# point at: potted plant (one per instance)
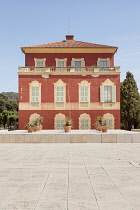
(30, 127)
(99, 123)
(68, 124)
(104, 127)
(38, 124)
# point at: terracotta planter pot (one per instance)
(104, 129)
(100, 128)
(67, 129)
(30, 129)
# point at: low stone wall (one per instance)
(71, 138)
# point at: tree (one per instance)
(7, 103)
(130, 107)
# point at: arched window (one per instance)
(84, 122)
(108, 91)
(59, 121)
(35, 92)
(109, 119)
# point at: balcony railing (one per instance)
(69, 70)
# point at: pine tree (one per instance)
(130, 107)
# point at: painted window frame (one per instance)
(84, 117)
(57, 117)
(82, 60)
(109, 116)
(35, 84)
(40, 59)
(84, 83)
(59, 68)
(60, 83)
(113, 92)
(99, 63)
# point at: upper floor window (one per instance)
(84, 91)
(35, 92)
(108, 91)
(60, 91)
(40, 62)
(103, 63)
(60, 64)
(60, 94)
(84, 94)
(78, 63)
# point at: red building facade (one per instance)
(69, 78)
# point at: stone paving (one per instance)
(70, 176)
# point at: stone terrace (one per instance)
(70, 176)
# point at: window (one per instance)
(59, 121)
(40, 62)
(103, 64)
(109, 122)
(84, 124)
(78, 63)
(107, 94)
(59, 124)
(84, 121)
(34, 94)
(60, 64)
(60, 94)
(108, 91)
(84, 94)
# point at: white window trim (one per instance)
(35, 83)
(84, 83)
(103, 59)
(59, 116)
(109, 116)
(59, 59)
(59, 83)
(107, 82)
(85, 116)
(40, 59)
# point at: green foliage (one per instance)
(11, 95)
(7, 103)
(8, 118)
(130, 106)
(68, 121)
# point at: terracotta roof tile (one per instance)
(69, 44)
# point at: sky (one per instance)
(31, 22)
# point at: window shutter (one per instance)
(98, 62)
(73, 63)
(114, 93)
(101, 93)
(82, 62)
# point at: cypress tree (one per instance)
(130, 107)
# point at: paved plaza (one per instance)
(70, 176)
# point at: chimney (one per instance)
(69, 38)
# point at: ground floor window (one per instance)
(59, 124)
(84, 124)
